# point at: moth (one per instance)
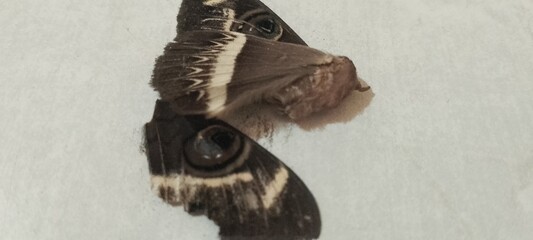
(232, 53)
(228, 54)
(212, 169)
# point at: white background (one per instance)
(443, 151)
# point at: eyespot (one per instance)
(267, 26)
(213, 150)
(260, 24)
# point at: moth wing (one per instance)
(230, 15)
(288, 209)
(207, 72)
(260, 199)
(163, 137)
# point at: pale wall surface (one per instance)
(444, 151)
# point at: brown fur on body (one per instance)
(324, 89)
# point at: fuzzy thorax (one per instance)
(324, 89)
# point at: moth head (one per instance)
(250, 17)
(215, 151)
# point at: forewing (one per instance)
(207, 72)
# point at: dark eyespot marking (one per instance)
(260, 24)
(267, 25)
(215, 151)
(223, 139)
(212, 148)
